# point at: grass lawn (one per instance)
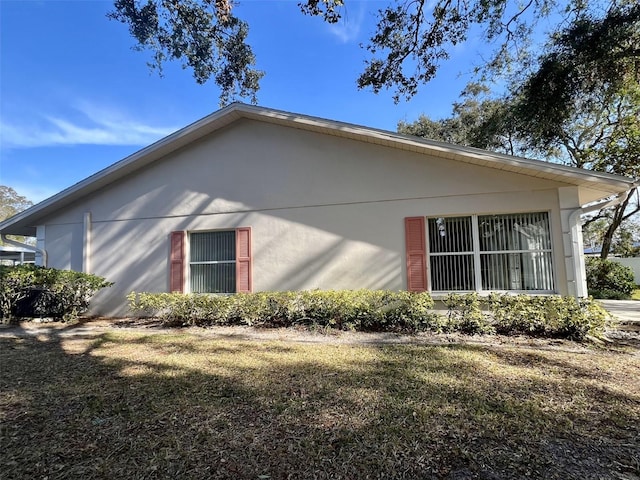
(636, 294)
(131, 405)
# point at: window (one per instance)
(218, 261)
(212, 262)
(491, 252)
(451, 255)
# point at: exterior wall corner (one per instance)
(570, 210)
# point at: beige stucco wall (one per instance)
(325, 212)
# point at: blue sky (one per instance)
(76, 98)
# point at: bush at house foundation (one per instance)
(365, 310)
(378, 310)
(547, 316)
(28, 291)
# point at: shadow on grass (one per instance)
(179, 406)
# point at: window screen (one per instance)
(491, 252)
(451, 254)
(212, 262)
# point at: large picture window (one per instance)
(491, 252)
(212, 262)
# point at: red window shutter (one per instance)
(414, 229)
(243, 260)
(176, 258)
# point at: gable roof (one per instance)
(594, 185)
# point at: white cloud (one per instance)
(92, 125)
(35, 193)
(349, 27)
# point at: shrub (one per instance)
(380, 310)
(465, 314)
(548, 316)
(414, 312)
(365, 310)
(31, 291)
(608, 279)
(15, 284)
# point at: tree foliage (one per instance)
(12, 203)
(478, 120)
(602, 133)
(625, 242)
(204, 34)
(412, 38)
(580, 106)
(592, 65)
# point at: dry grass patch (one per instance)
(135, 405)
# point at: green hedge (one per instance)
(377, 310)
(609, 279)
(367, 310)
(31, 291)
(548, 316)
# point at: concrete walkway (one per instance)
(623, 310)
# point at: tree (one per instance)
(582, 104)
(625, 241)
(477, 121)
(411, 40)
(204, 34)
(603, 135)
(590, 62)
(579, 106)
(625, 244)
(10, 204)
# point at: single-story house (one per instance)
(255, 199)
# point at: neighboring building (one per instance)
(596, 250)
(16, 255)
(254, 199)
(593, 251)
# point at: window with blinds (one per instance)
(212, 262)
(491, 252)
(515, 252)
(451, 254)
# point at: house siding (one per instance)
(324, 212)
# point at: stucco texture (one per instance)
(325, 212)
